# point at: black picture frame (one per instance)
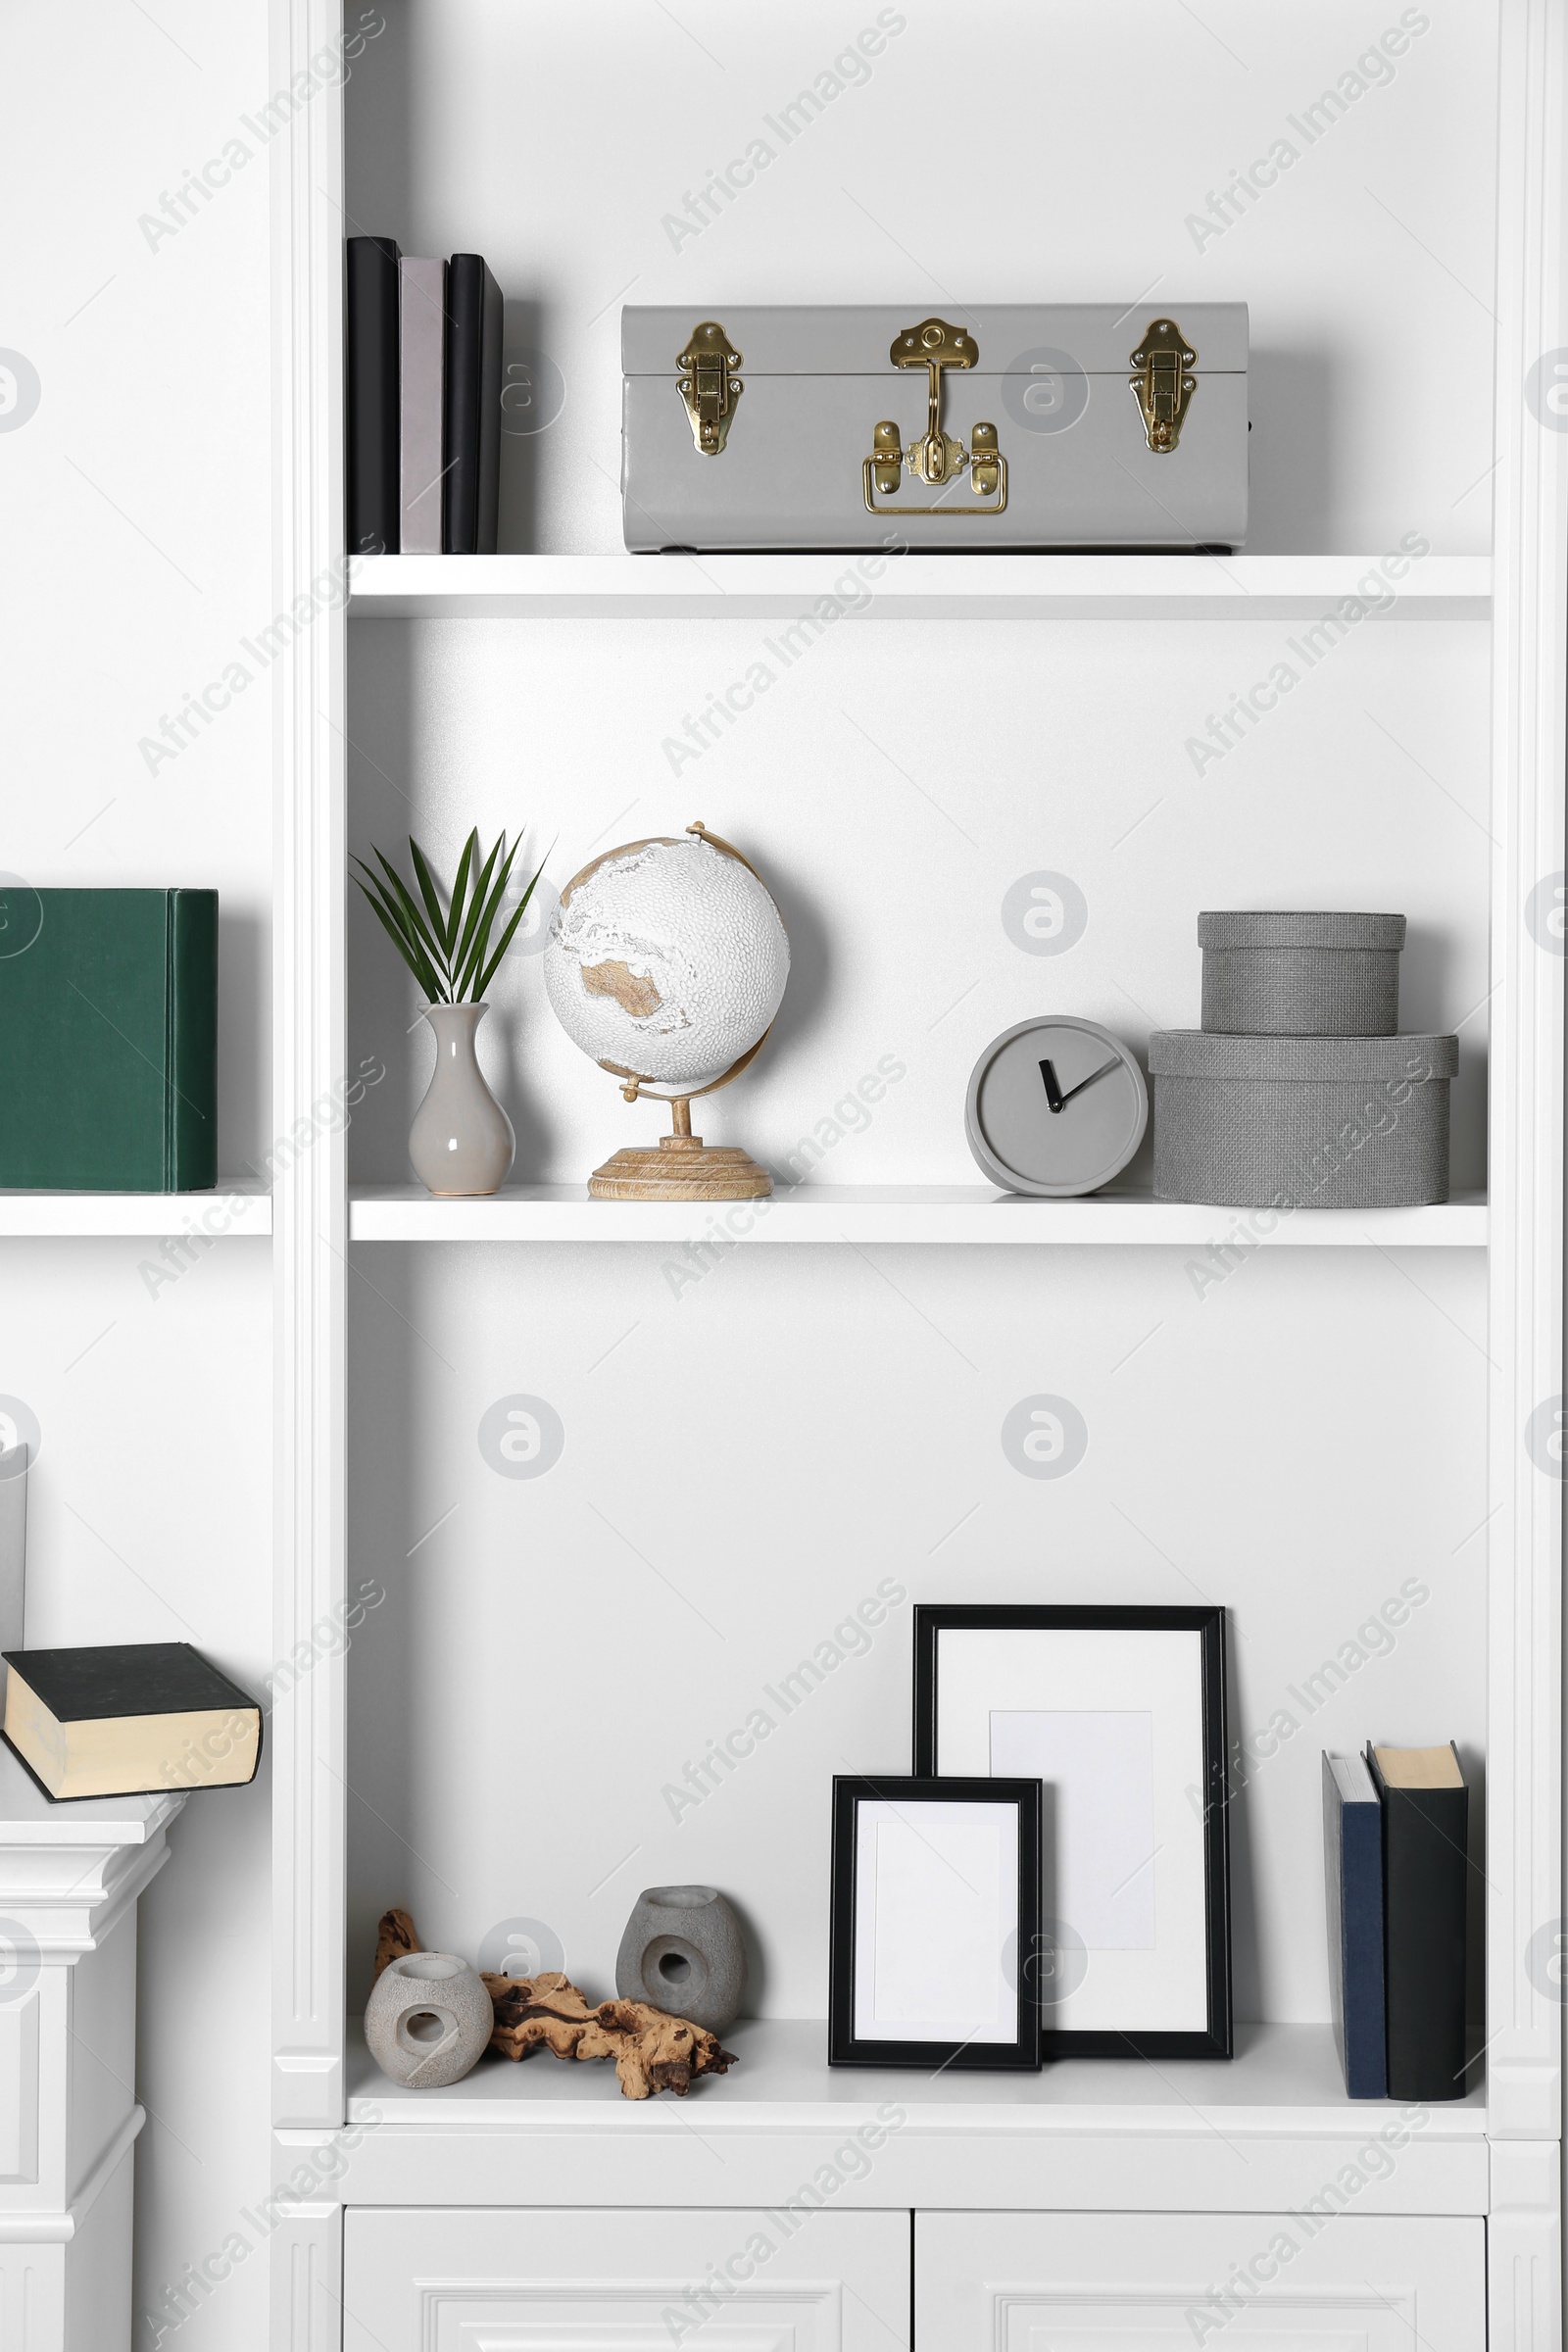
(931, 1619)
(848, 2048)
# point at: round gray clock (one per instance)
(1057, 1107)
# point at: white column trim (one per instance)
(310, 1212)
(1524, 1809)
(306, 2256)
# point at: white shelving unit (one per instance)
(1284, 1444)
(914, 586)
(902, 1215)
(1085, 2134)
(238, 1208)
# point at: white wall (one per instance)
(1034, 150)
(772, 1440)
(136, 524)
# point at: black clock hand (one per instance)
(1113, 1065)
(1054, 1094)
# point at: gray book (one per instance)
(421, 338)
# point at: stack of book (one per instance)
(425, 376)
(1396, 1827)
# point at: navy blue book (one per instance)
(1353, 1852)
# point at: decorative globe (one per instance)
(667, 960)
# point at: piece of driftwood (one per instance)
(652, 2051)
(395, 1934)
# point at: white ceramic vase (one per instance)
(461, 1142)
(428, 2019)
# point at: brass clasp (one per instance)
(1162, 387)
(709, 385)
(936, 457)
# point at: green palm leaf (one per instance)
(412, 955)
(448, 948)
(412, 912)
(481, 937)
(480, 888)
(492, 965)
(466, 866)
(431, 896)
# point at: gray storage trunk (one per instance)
(1301, 975)
(1024, 426)
(1301, 1122)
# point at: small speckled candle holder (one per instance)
(428, 2019)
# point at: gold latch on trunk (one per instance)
(936, 457)
(709, 385)
(1162, 387)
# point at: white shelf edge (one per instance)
(976, 587)
(1284, 2079)
(238, 1206)
(903, 1215)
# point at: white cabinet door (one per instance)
(619, 2280)
(1167, 2282)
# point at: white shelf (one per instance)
(235, 1206)
(682, 587)
(903, 1214)
(1269, 2125)
(29, 1817)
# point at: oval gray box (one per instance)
(1303, 1122)
(1302, 974)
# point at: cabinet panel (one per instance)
(18, 2090)
(1254, 2283)
(504, 2281)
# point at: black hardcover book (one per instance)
(1353, 1850)
(471, 439)
(373, 396)
(1426, 1821)
(488, 527)
(128, 1720)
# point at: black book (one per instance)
(1426, 1821)
(1352, 1851)
(134, 1718)
(371, 358)
(471, 438)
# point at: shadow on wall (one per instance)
(1424, 990)
(244, 1036)
(1290, 397)
(1247, 1970)
(533, 394)
(384, 1679)
(378, 138)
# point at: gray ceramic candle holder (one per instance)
(428, 2019)
(683, 1952)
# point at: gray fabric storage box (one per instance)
(1301, 975)
(1083, 424)
(1301, 1122)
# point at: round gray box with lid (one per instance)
(1302, 974)
(1301, 1122)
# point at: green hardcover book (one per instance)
(108, 1040)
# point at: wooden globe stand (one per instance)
(680, 1166)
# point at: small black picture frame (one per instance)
(873, 1956)
(995, 1675)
